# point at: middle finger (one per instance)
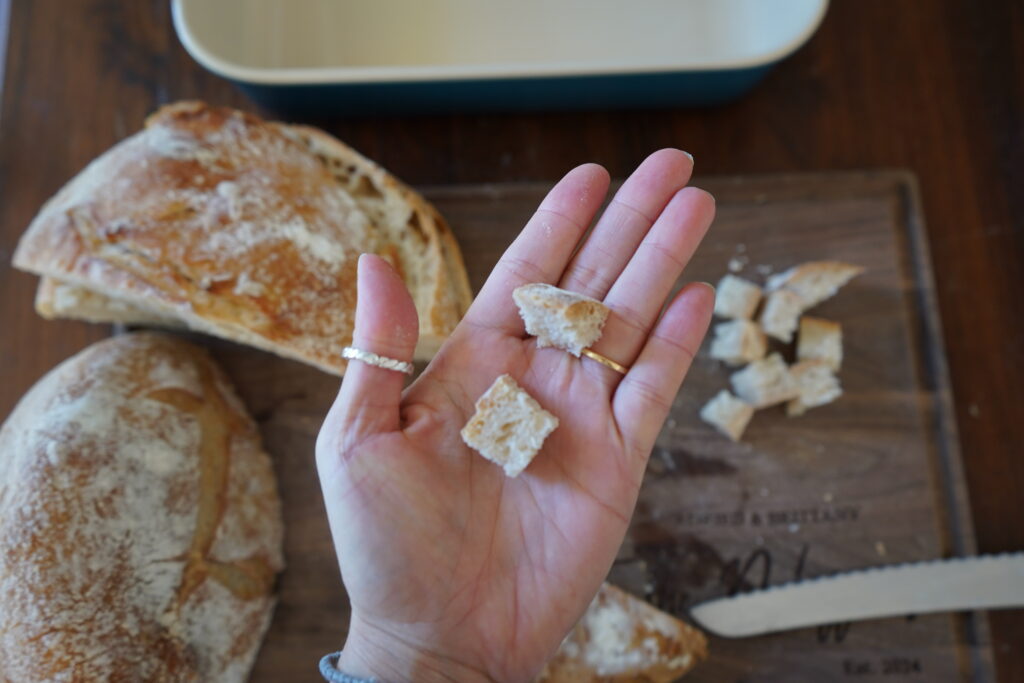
(622, 226)
(637, 297)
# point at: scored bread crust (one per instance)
(139, 518)
(242, 229)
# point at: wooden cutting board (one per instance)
(872, 479)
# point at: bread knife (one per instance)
(985, 582)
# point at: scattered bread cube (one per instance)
(727, 414)
(782, 309)
(738, 341)
(765, 382)
(509, 426)
(817, 385)
(560, 318)
(820, 339)
(736, 298)
(623, 638)
(814, 281)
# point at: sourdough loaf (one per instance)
(241, 228)
(140, 524)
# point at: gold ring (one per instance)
(607, 362)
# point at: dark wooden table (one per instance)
(936, 87)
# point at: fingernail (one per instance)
(709, 286)
(688, 154)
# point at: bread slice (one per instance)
(765, 382)
(736, 298)
(817, 386)
(244, 229)
(820, 339)
(421, 244)
(56, 299)
(727, 414)
(738, 342)
(622, 638)
(139, 519)
(509, 426)
(560, 318)
(814, 281)
(781, 313)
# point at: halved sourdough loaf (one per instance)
(244, 229)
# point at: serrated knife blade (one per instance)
(985, 582)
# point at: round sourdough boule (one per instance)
(140, 525)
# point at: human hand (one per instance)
(455, 571)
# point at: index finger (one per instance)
(542, 250)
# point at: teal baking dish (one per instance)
(354, 57)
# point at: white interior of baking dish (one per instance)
(325, 41)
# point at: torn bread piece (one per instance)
(738, 342)
(560, 318)
(817, 386)
(820, 339)
(736, 298)
(622, 638)
(727, 414)
(781, 314)
(509, 426)
(765, 382)
(814, 281)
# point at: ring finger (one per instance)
(628, 217)
(638, 295)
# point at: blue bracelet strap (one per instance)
(329, 670)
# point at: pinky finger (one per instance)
(645, 395)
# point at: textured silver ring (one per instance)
(352, 353)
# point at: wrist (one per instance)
(373, 652)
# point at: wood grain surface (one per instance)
(935, 87)
(872, 479)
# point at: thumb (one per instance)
(385, 324)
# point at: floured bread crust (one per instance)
(139, 519)
(242, 229)
(623, 639)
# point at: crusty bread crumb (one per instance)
(560, 318)
(622, 638)
(738, 341)
(820, 339)
(817, 386)
(509, 426)
(727, 414)
(814, 281)
(765, 382)
(782, 309)
(736, 298)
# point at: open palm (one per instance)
(454, 570)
